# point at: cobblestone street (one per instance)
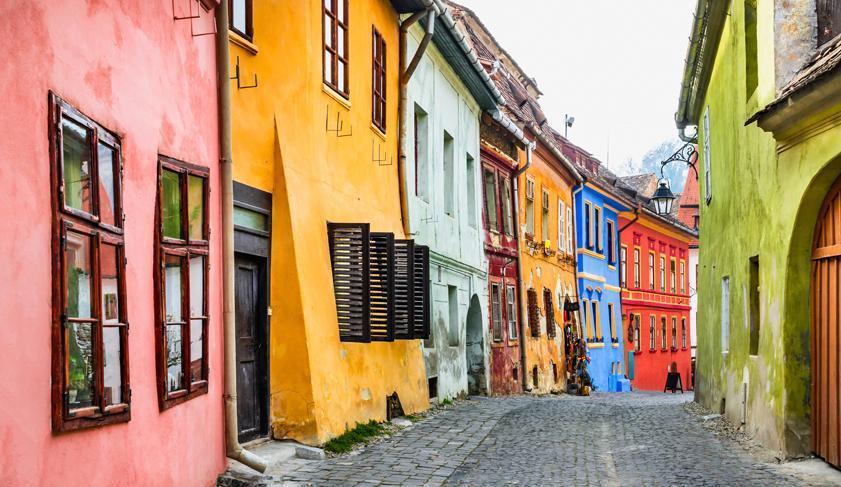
(630, 439)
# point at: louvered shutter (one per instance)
(550, 313)
(534, 313)
(349, 255)
(403, 287)
(420, 292)
(382, 286)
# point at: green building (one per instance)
(762, 85)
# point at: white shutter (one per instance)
(561, 239)
(570, 246)
(707, 157)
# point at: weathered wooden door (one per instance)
(825, 326)
(251, 347)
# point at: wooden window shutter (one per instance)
(403, 289)
(349, 255)
(421, 312)
(550, 313)
(534, 313)
(381, 262)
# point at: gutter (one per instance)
(403, 101)
(557, 153)
(511, 127)
(233, 449)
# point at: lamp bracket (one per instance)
(687, 154)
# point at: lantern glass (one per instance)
(663, 198)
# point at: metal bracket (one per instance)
(380, 158)
(339, 125)
(428, 218)
(237, 77)
(191, 17)
(687, 154)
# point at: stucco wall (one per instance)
(133, 69)
(763, 204)
(320, 386)
(454, 237)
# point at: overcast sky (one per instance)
(615, 65)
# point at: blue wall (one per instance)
(598, 281)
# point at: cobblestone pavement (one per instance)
(629, 439)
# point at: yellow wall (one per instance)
(320, 386)
(541, 271)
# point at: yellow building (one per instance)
(314, 143)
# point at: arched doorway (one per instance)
(475, 349)
(825, 329)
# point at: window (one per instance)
(637, 268)
(652, 332)
(672, 276)
(623, 266)
(588, 223)
(570, 247)
(637, 337)
(470, 174)
(550, 313)
(725, 314)
(683, 332)
(544, 216)
(708, 190)
(449, 175)
(561, 227)
(611, 250)
(695, 221)
(240, 20)
(489, 178)
(610, 321)
(511, 297)
(682, 277)
(378, 86)
(453, 333)
(585, 318)
(422, 186)
(753, 299)
(507, 214)
(751, 68)
(597, 221)
(496, 311)
(651, 270)
(90, 355)
(182, 281)
(829, 20)
(336, 46)
(597, 325)
(530, 207)
(662, 273)
(674, 332)
(533, 313)
(663, 334)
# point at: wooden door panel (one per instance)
(248, 400)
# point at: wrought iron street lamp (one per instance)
(663, 197)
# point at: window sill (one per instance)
(165, 402)
(614, 345)
(595, 345)
(378, 131)
(335, 95)
(120, 415)
(637, 352)
(242, 42)
(652, 350)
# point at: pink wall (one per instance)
(128, 65)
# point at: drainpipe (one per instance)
(636, 217)
(232, 447)
(403, 109)
(516, 178)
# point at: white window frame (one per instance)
(561, 227)
(707, 157)
(725, 314)
(570, 246)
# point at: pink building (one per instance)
(111, 350)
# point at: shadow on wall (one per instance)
(475, 349)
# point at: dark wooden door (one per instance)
(825, 324)
(251, 347)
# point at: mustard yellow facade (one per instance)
(548, 267)
(321, 158)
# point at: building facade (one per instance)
(654, 277)
(688, 213)
(315, 152)
(762, 86)
(113, 224)
(446, 96)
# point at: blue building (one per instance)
(597, 206)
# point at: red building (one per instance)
(654, 276)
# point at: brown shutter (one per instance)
(381, 260)
(349, 255)
(829, 20)
(534, 313)
(550, 313)
(420, 292)
(403, 289)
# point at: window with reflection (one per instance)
(335, 42)
(90, 374)
(240, 18)
(182, 281)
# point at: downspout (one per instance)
(406, 72)
(636, 217)
(516, 179)
(233, 449)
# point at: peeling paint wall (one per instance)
(445, 215)
(765, 200)
(795, 31)
(320, 386)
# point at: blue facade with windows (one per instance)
(599, 294)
